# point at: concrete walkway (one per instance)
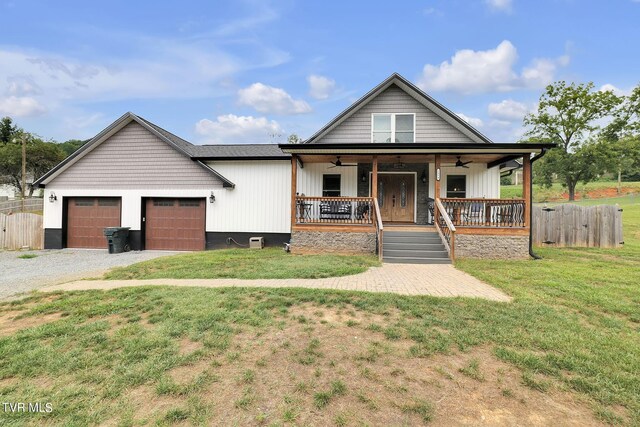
(406, 279)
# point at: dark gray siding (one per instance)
(429, 126)
(134, 158)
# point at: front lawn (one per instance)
(566, 351)
(269, 263)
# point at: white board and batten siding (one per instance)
(429, 126)
(310, 179)
(260, 202)
(481, 182)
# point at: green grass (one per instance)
(542, 194)
(268, 263)
(27, 256)
(574, 324)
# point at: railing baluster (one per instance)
(485, 212)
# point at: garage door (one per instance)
(86, 219)
(175, 224)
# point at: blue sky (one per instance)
(254, 71)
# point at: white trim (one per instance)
(415, 188)
(393, 124)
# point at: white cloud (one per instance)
(508, 110)
(20, 106)
(232, 129)
(268, 99)
(473, 121)
(500, 5)
(490, 70)
(608, 87)
(320, 87)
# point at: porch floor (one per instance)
(405, 279)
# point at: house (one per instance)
(396, 173)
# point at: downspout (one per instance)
(533, 159)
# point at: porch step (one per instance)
(408, 253)
(405, 260)
(414, 247)
(394, 237)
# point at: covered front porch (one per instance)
(356, 196)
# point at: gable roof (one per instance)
(413, 91)
(179, 144)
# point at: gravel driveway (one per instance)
(51, 267)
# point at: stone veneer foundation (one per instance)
(492, 246)
(333, 242)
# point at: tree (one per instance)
(567, 116)
(7, 130)
(70, 146)
(620, 140)
(294, 139)
(41, 156)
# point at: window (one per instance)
(331, 185)
(108, 202)
(85, 202)
(393, 128)
(186, 203)
(162, 202)
(457, 186)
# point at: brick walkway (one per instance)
(406, 279)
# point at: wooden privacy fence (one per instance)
(577, 226)
(21, 230)
(30, 204)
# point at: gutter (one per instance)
(531, 253)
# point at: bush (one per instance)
(506, 180)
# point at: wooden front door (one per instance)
(175, 224)
(87, 218)
(396, 197)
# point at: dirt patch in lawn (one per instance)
(187, 346)
(322, 372)
(12, 322)
(598, 193)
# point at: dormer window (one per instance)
(393, 127)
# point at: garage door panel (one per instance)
(86, 219)
(175, 224)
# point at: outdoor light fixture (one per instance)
(423, 177)
(53, 197)
(438, 174)
(212, 198)
(363, 177)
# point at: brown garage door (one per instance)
(86, 219)
(175, 224)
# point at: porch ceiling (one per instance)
(403, 158)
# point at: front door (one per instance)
(396, 197)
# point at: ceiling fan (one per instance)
(338, 163)
(460, 164)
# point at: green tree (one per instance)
(70, 146)
(620, 140)
(567, 115)
(41, 156)
(294, 139)
(7, 130)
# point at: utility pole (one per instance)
(24, 167)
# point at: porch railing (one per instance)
(334, 210)
(445, 228)
(379, 227)
(485, 212)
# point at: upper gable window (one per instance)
(399, 128)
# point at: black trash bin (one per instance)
(117, 239)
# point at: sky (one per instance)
(249, 71)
